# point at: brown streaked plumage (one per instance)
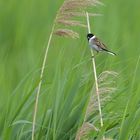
(97, 45)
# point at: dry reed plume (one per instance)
(67, 14)
(107, 85)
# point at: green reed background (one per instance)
(24, 30)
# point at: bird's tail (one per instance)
(110, 52)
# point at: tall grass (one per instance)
(65, 13)
(67, 83)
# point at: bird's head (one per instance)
(90, 35)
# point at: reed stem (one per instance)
(40, 83)
(95, 76)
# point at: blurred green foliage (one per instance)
(24, 30)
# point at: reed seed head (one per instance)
(68, 13)
(107, 85)
(66, 33)
(85, 130)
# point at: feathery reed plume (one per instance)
(68, 10)
(85, 130)
(107, 85)
(66, 33)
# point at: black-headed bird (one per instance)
(97, 45)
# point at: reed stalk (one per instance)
(40, 83)
(95, 76)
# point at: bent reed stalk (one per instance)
(95, 76)
(40, 83)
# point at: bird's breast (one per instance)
(94, 46)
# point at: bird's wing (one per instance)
(99, 44)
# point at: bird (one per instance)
(97, 45)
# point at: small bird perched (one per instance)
(97, 45)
